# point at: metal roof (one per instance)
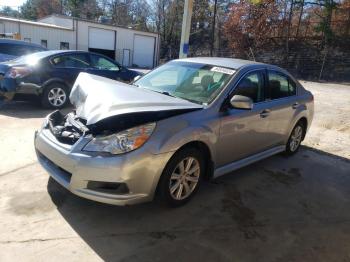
(96, 22)
(10, 19)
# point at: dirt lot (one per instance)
(280, 209)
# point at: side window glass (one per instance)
(280, 86)
(69, 61)
(251, 86)
(102, 63)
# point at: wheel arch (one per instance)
(52, 81)
(304, 121)
(204, 149)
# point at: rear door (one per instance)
(283, 102)
(68, 66)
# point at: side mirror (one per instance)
(241, 102)
(137, 77)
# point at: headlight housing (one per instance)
(122, 142)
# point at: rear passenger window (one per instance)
(280, 86)
(251, 86)
(71, 60)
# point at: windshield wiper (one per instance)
(167, 93)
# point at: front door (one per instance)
(244, 132)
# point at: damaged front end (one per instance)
(105, 107)
(66, 128)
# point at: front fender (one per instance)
(183, 133)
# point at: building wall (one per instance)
(37, 33)
(125, 38)
(76, 34)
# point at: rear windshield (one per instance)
(30, 59)
(18, 50)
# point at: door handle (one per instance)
(295, 105)
(265, 113)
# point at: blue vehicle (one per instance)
(11, 49)
(50, 75)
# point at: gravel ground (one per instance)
(279, 209)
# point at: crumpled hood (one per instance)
(97, 98)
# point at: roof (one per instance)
(220, 61)
(18, 42)
(95, 22)
(11, 19)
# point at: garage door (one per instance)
(143, 51)
(102, 41)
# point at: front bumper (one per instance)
(74, 169)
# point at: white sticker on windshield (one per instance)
(223, 70)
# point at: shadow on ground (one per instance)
(279, 209)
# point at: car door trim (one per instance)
(248, 160)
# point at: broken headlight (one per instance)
(122, 142)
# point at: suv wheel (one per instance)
(295, 139)
(55, 96)
(181, 177)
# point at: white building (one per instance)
(128, 46)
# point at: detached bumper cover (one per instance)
(74, 169)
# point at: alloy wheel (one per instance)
(184, 178)
(296, 138)
(57, 96)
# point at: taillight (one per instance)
(18, 72)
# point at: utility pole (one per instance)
(213, 29)
(186, 27)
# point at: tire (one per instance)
(55, 96)
(295, 138)
(173, 176)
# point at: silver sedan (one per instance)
(187, 120)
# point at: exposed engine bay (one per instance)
(69, 128)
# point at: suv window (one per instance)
(280, 86)
(71, 60)
(100, 62)
(252, 86)
(18, 50)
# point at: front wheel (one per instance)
(54, 96)
(295, 139)
(181, 177)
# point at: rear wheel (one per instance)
(181, 177)
(295, 138)
(55, 96)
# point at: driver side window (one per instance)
(252, 86)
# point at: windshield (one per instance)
(199, 83)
